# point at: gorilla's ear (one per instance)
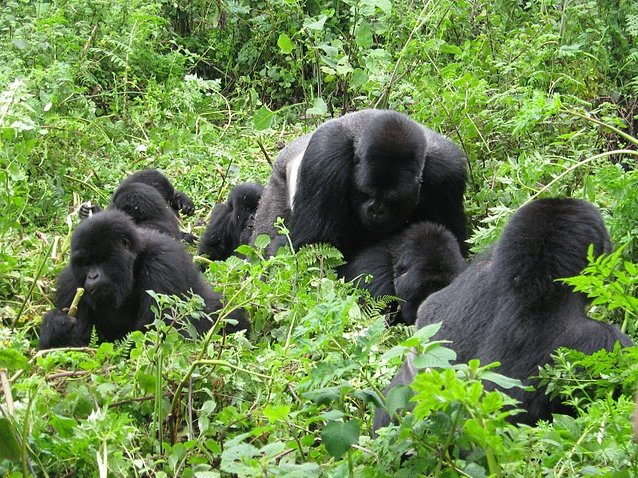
(321, 207)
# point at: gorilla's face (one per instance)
(387, 186)
(103, 254)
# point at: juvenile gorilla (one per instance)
(116, 262)
(231, 223)
(147, 208)
(146, 196)
(414, 263)
(508, 308)
(359, 178)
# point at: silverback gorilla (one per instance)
(231, 223)
(508, 307)
(117, 262)
(359, 178)
(411, 265)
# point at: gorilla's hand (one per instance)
(87, 209)
(181, 202)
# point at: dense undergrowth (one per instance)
(541, 95)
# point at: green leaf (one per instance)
(426, 333)
(363, 35)
(368, 395)
(318, 108)
(275, 414)
(359, 78)
(502, 380)
(285, 44)
(262, 241)
(263, 118)
(338, 437)
(437, 356)
(324, 396)
(452, 49)
(317, 24)
(12, 359)
(398, 398)
(10, 449)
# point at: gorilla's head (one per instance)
(243, 199)
(389, 157)
(545, 240)
(104, 249)
(140, 201)
(426, 257)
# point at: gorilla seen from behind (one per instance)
(412, 264)
(152, 201)
(117, 262)
(509, 308)
(361, 177)
(231, 223)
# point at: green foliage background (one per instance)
(542, 96)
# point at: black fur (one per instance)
(144, 196)
(146, 207)
(411, 265)
(116, 262)
(154, 178)
(231, 223)
(361, 178)
(508, 308)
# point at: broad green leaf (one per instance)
(502, 380)
(262, 241)
(437, 356)
(275, 414)
(332, 415)
(263, 118)
(363, 35)
(359, 78)
(318, 108)
(285, 44)
(368, 396)
(12, 359)
(397, 398)
(324, 396)
(452, 49)
(427, 332)
(10, 448)
(317, 24)
(338, 437)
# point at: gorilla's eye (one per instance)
(78, 261)
(357, 160)
(126, 242)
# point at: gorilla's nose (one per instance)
(93, 278)
(378, 211)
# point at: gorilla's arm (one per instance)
(375, 260)
(322, 212)
(58, 329)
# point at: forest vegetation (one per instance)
(541, 95)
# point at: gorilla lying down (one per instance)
(411, 265)
(360, 178)
(116, 262)
(231, 223)
(509, 308)
(152, 201)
